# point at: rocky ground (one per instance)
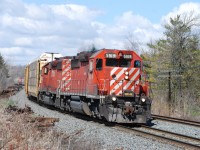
(74, 133)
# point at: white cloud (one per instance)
(186, 8)
(11, 51)
(23, 41)
(37, 12)
(74, 12)
(27, 30)
(115, 35)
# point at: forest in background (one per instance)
(173, 67)
(9, 74)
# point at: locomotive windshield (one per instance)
(118, 62)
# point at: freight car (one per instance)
(106, 84)
(32, 73)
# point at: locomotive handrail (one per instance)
(77, 87)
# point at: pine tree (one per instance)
(3, 74)
(3, 67)
(177, 54)
(1, 61)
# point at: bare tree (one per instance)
(131, 43)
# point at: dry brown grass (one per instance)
(184, 107)
(160, 105)
(18, 131)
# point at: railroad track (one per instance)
(176, 120)
(164, 136)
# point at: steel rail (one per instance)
(173, 134)
(177, 120)
(162, 138)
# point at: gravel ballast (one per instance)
(101, 136)
(177, 128)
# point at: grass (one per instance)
(18, 132)
(184, 107)
(160, 105)
(195, 111)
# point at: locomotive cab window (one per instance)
(118, 62)
(99, 64)
(112, 62)
(125, 63)
(137, 64)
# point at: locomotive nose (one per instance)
(122, 79)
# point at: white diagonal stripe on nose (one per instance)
(128, 84)
(136, 82)
(119, 85)
(111, 82)
(136, 74)
(113, 71)
(120, 73)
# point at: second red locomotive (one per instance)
(105, 84)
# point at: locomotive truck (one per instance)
(106, 84)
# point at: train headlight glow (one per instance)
(143, 100)
(114, 98)
(126, 77)
(126, 73)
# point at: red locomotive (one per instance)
(105, 84)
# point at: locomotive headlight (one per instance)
(114, 99)
(126, 73)
(143, 100)
(126, 77)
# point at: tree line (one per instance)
(173, 66)
(3, 73)
(9, 74)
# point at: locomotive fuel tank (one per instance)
(77, 105)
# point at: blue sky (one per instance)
(31, 27)
(151, 9)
